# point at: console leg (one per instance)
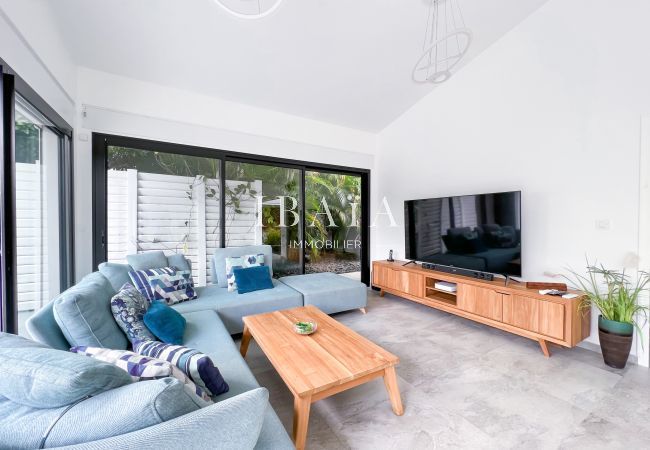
(363, 310)
(545, 350)
(382, 293)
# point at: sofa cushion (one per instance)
(166, 323)
(83, 313)
(220, 255)
(195, 364)
(147, 260)
(129, 307)
(232, 306)
(142, 368)
(43, 327)
(239, 262)
(252, 279)
(273, 435)
(111, 413)
(179, 261)
(34, 375)
(206, 332)
(330, 292)
(117, 274)
(165, 283)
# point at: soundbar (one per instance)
(459, 271)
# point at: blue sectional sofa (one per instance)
(211, 319)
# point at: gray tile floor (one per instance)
(465, 385)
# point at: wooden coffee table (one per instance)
(314, 367)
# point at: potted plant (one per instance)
(617, 298)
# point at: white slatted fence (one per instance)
(175, 214)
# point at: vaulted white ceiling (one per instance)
(346, 62)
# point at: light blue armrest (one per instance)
(232, 424)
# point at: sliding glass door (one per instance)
(38, 213)
(7, 314)
(158, 200)
(264, 206)
(333, 223)
(36, 192)
(180, 199)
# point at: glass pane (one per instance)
(263, 206)
(38, 268)
(163, 201)
(333, 223)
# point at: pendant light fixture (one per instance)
(249, 9)
(446, 41)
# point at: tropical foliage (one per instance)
(28, 137)
(342, 195)
(327, 195)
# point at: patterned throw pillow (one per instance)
(143, 368)
(196, 365)
(240, 262)
(167, 284)
(128, 307)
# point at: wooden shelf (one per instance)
(440, 296)
(440, 290)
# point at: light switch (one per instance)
(603, 224)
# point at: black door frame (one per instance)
(11, 85)
(9, 308)
(101, 142)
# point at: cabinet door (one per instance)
(551, 319)
(482, 301)
(521, 312)
(409, 282)
(378, 274)
(399, 280)
(383, 276)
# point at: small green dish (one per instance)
(305, 328)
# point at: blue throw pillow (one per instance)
(165, 323)
(253, 279)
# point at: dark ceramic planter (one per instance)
(615, 347)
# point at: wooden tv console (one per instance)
(511, 308)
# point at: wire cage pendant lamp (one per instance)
(249, 9)
(446, 41)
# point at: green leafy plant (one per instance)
(273, 237)
(614, 293)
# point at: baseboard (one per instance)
(632, 359)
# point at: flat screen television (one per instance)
(477, 232)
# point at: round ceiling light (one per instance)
(446, 41)
(249, 9)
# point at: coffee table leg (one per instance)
(245, 340)
(390, 380)
(301, 407)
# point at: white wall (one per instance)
(31, 45)
(554, 109)
(118, 105)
